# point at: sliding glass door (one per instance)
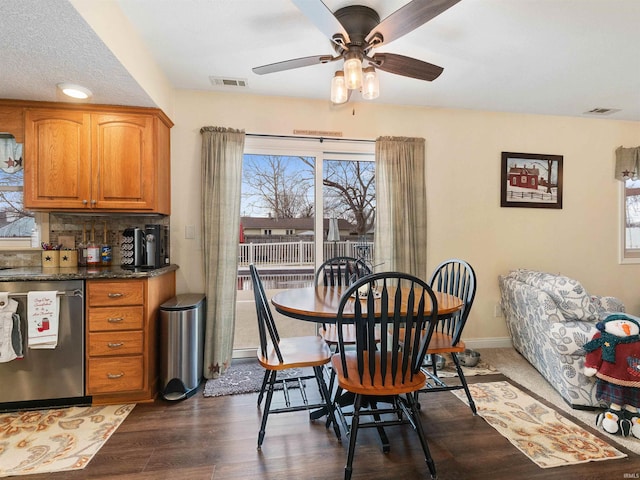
(292, 191)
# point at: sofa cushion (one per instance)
(570, 296)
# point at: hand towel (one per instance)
(42, 318)
(10, 335)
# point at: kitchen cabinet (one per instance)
(102, 160)
(122, 337)
(12, 120)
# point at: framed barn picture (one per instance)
(531, 180)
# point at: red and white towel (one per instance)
(42, 318)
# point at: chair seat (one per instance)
(441, 343)
(297, 352)
(354, 385)
(330, 334)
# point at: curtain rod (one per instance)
(300, 137)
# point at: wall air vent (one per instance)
(229, 82)
(602, 111)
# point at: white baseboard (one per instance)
(496, 342)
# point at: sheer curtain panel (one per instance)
(401, 205)
(222, 151)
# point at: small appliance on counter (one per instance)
(146, 247)
(132, 247)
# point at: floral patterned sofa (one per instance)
(549, 318)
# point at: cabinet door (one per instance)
(123, 162)
(57, 162)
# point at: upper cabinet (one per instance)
(97, 160)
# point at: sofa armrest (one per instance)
(567, 338)
(606, 305)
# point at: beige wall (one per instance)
(463, 170)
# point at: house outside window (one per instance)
(266, 231)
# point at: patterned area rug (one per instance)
(56, 440)
(482, 368)
(245, 377)
(542, 434)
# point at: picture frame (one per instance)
(531, 180)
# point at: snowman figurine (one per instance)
(613, 356)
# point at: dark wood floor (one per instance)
(215, 438)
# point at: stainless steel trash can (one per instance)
(181, 345)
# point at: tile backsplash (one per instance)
(70, 225)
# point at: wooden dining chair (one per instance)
(455, 277)
(387, 372)
(341, 272)
(277, 354)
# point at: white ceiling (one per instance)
(557, 57)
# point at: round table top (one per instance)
(320, 304)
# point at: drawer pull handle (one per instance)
(113, 376)
(115, 345)
(115, 319)
(115, 295)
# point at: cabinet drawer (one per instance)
(104, 294)
(110, 375)
(115, 318)
(115, 343)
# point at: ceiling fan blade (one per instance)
(293, 63)
(323, 18)
(406, 66)
(408, 18)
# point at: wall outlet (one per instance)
(497, 310)
(190, 232)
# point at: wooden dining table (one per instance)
(320, 304)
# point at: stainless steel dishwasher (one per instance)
(47, 377)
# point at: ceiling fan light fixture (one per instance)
(74, 91)
(339, 91)
(370, 84)
(353, 71)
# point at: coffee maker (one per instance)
(156, 246)
(146, 247)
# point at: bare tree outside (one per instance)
(280, 186)
(349, 193)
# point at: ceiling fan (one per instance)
(355, 31)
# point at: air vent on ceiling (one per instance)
(602, 111)
(228, 82)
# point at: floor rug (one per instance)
(541, 433)
(515, 367)
(482, 368)
(55, 440)
(245, 377)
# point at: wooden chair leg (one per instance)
(264, 384)
(421, 435)
(386, 445)
(267, 406)
(348, 469)
(331, 419)
(463, 380)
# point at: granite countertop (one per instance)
(80, 273)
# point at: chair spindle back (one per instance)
(402, 306)
(266, 323)
(455, 277)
